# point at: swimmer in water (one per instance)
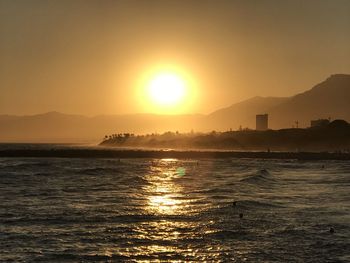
(264, 171)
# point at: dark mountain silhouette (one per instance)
(59, 127)
(328, 99)
(48, 127)
(243, 113)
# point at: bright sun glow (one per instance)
(167, 89)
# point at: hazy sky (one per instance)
(87, 57)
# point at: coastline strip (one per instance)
(159, 154)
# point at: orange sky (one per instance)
(88, 57)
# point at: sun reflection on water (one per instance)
(169, 226)
(164, 194)
(164, 204)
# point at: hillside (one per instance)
(332, 137)
(330, 98)
(243, 113)
(58, 127)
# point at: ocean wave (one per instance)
(84, 206)
(256, 204)
(99, 171)
(27, 165)
(260, 177)
(75, 257)
(228, 234)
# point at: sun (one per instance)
(167, 89)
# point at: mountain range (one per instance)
(328, 99)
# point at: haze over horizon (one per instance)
(174, 130)
(93, 57)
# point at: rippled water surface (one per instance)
(140, 210)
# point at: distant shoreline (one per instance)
(322, 138)
(159, 154)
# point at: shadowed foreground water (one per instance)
(69, 210)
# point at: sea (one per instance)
(173, 210)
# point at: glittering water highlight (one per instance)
(98, 210)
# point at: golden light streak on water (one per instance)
(164, 204)
(165, 195)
